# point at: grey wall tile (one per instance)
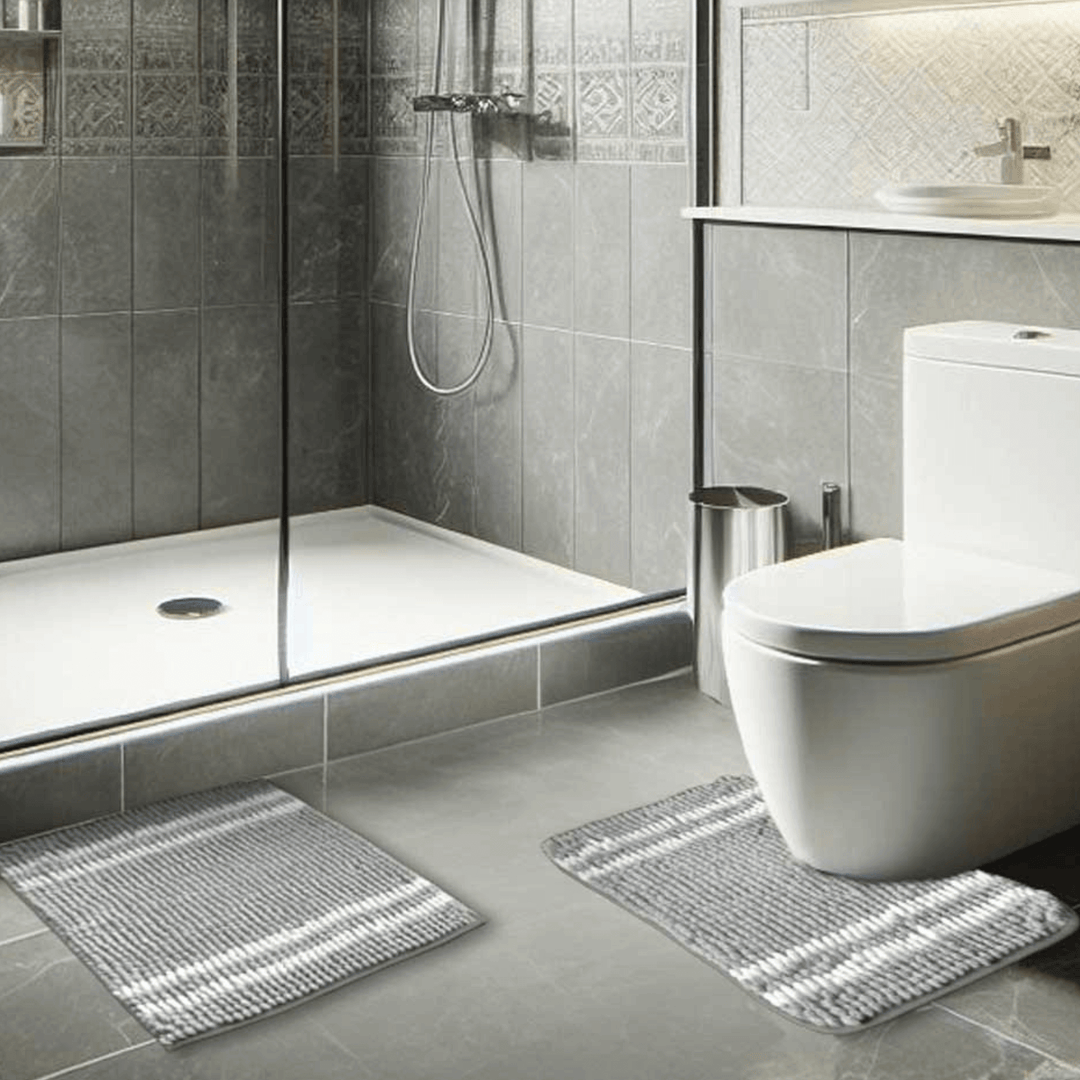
(783, 427)
(96, 236)
(394, 201)
(239, 231)
(46, 792)
(401, 414)
(596, 661)
(660, 255)
(30, 436)
(498, 413)
(901, 281)
(95, 394)
(240, 411)
(502, 180)
(427, 701)
(30, 226)
(328, 406)
(166, 227)
(602, 458)
(166, 422)
(548, 445)
(547, 223)
(877, 499)
(781, 295)
(661, 459)
(450, 242)
(272, 739)
(328, 227)
(602, 249)
(448, 442)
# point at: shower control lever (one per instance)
(506, 103)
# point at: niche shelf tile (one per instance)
(23, 91)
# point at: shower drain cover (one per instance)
(190, 607)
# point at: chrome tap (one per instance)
(1012, 150)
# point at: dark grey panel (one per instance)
(239, 231)
(602, 249)
(784, 427)
(548, 445)
(95, 387)
(30, 436)
(660, 270)
(901, 281)
(781, 294)
(602, 457)
(96, 236)
(328, 227)
(166, 230)
(328, 406)
(166, 422)
(30, 226)
(240, 412)
(426, 701)
(661, 472)
(272, 739)
(599, 660)
(60, 789)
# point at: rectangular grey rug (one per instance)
(709, 868)
(207, 911)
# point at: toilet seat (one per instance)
(895, 601)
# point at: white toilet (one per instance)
(911, 708)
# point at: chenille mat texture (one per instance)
(207, 911)
(708, 867)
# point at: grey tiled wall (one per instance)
(806, 350)
(576, 445)
(138, 315)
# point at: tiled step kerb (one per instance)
(278, 733)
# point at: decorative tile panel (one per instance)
(96, 94)
(905, 97)
(22, 96)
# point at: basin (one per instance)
(971, 200)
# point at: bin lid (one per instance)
(896, 601)
(738, 497)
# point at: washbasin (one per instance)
(970, 200)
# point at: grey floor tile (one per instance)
(55, 1013)
(16, 919)
(559, 984)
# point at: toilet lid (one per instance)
(892, 600)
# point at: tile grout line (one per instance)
(24, 937)
(997, 1032)
(79, 1066)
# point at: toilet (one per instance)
(911, 708)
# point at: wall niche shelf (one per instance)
(1059, 227)
(25, 91)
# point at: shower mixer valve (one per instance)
(506, 103)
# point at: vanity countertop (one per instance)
(1058, 227)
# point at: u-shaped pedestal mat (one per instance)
(708, 867)
(204, 912)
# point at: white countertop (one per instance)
(1058, 227)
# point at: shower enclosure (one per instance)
(228, 270)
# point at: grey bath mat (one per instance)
(708, 868)
(207, 911)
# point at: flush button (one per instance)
(1029, 335)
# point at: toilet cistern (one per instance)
(1010, 147)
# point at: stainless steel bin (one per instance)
(733, 529)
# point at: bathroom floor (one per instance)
(561, 984)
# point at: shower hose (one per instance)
(479, 240)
